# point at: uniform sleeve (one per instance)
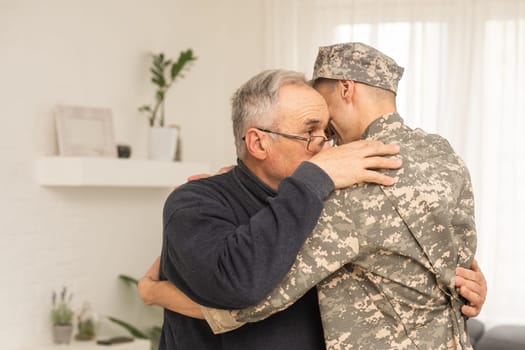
(463, 224)
(324, 252)
(221, 264)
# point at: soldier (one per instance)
(403, 242)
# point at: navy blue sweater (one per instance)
(228, 241)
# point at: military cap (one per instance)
(358, 62)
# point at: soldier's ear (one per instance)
(346, 87)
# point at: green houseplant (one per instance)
(62, 316)
(86, 323)
(152, 333)
(164, 72)
(164, 143)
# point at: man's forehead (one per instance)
(302, 105)
(313, 121)
(305, 121)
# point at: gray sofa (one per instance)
(505, 337)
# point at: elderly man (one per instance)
(404, 242)
(229, 239)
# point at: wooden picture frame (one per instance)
(85, 132)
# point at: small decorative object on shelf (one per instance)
(85, 131)
(87, 321)
(123, 151)
(62, 317)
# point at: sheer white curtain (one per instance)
(464, 79)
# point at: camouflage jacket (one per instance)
(383, 258)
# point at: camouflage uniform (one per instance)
(383, 258)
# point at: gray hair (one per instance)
(254, 102)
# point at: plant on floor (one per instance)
(164, 72)
(153, 333)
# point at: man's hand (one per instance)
(355, 162)
(146, 285)
(222, 170)
(164, 294)
(473, 287)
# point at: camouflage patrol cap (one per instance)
(358, 62)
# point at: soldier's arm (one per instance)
(470, 282)
(323, 253)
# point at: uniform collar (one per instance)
(383, 124)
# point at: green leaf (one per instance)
(185, 57)
(157, 68)
(156, 329)
(160, 81)
(154, 334)
(157, 64)
(129, 279)
(156, 72)
(163, 81)
(160, 57)
(130, 328)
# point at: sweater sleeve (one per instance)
(221, 264)
(333, 243)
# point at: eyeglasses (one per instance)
(314, 144)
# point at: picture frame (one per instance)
(85, 132)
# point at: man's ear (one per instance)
(255, 143)
(346, 89)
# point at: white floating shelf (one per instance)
(81, 171)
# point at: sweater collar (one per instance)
(255, 186)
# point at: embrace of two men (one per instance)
(307, 246)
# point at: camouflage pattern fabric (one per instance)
(357, 62)
(390, 254)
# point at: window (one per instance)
(464, 79)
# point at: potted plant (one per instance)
(62, 317)
(163, 141)
(152, 333)
(86, 323)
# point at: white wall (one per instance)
(95, 53)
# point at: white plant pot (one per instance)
(162, 143)
(62, 334)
